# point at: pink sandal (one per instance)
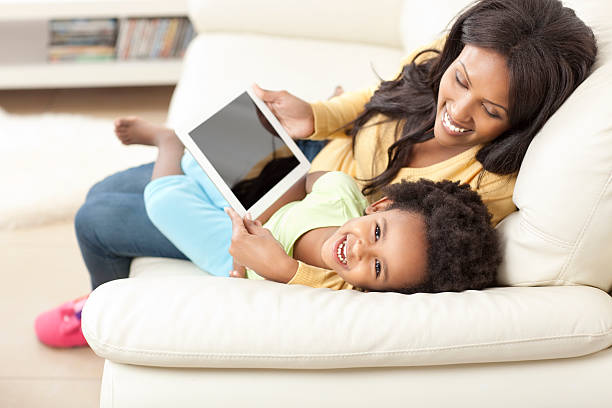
(61, 326)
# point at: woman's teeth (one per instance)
(447, 122)
(342, 252)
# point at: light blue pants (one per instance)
(188, 210)
(112, 226)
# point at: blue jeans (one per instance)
(112, 226)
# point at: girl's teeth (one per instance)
(342, 252)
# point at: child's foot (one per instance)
(134, 130)
(61, 326)
(337, 92)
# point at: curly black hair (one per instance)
(463, 250)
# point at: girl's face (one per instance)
(381, 251)
(473, 99)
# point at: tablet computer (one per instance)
(246, 153)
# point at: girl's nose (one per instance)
(359, 249)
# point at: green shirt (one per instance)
(335, 198)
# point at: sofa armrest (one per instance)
(361, 21)
(194, 321)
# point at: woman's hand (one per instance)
(256, 248)
(293, 113)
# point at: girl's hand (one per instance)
(293, 113)
(256, 248)
(238, 271)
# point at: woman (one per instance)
(466, 113)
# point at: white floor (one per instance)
(42, 267)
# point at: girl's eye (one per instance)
(376, 232)
(377, 267)
(459, 81)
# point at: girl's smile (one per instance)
(340, 251)
(383, 250)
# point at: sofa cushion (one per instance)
(339, 20)
(219, 66)
(193, 321)
(563, 231)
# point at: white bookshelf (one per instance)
(24, 74)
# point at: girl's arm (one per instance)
(252, 244)
(256, 248)
(297, 192)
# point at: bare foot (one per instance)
(134, 130)
(338, 91)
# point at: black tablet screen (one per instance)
(244, 148)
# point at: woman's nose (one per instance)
(460, 110)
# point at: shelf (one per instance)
(23, 63)
(60, 9)
(99, 74)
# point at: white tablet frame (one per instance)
(275, 192)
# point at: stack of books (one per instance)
(82, 40)
(154, 37)
(110, 39)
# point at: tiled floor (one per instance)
(42, 267)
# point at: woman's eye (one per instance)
(377, 267)
(377, 232)
(493, 115)
(459, 81)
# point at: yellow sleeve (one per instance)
(496, 193)
(331, 115)
(314, 277)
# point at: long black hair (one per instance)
(549, 52)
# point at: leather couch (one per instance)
(174, 336)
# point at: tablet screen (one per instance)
(244, 148)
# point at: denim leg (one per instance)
(112, 227)
(311, 148)
(132, 180)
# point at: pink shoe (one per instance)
(61, 326)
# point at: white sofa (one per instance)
(173, 336)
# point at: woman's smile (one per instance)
(467, 115)
(452, 127)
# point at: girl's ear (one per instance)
(380, 205)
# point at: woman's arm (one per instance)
(319, 120)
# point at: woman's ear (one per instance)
(380, 205)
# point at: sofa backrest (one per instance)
(563, 231)
(562, 234)
(363, 21)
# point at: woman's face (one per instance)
(473, 99)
